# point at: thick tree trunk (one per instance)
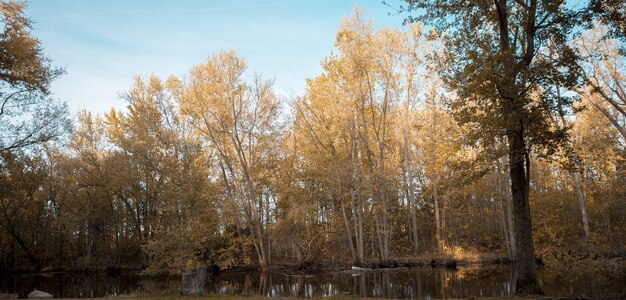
(526, 279)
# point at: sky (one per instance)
(104, 44)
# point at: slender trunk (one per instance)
(580, 196)
(408, 189)
(502, 195)
(414, 229)
(347, 228)
(31, 256)
(383, 197)
(261, 240)
(260, 248)
(356, 220)
(509, 209)
(437, 220)
(267, 228)
(89, 246)
(434, 182)
(361, 241)
(379, 236)
(443, 221)
(357, 209)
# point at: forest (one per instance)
(439, 138)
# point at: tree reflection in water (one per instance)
(417, 283)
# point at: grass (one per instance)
(233, 297)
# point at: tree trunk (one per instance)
(358, 226)
(509, 210)
(408, 189)
(438, 239)
(347, 228)
(31, 256)
(504, 200)
(580, 196)
(357, 209)
(526, 281)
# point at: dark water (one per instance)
(421, 283)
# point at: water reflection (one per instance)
(405, 283)
(418, 283)
(71, 285)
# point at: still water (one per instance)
(420, 283)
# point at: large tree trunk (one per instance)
(526, 279)
(519, 163)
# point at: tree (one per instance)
(504, 82)
(85, 170)
(604, 73)
(239, 122)
(28, 115)
(165, 178)
(21, 203)
(609, 12)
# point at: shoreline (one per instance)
(317, 267)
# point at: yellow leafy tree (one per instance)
(238, 121)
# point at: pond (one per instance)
(420, 283)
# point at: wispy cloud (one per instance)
(252, 5)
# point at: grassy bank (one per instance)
(233, 297)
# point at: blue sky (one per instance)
(104, 44)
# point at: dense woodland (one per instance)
(395, 151)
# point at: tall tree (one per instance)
(21, 203)
(165, 185)
(239, 121)
(502, 76)
(28, 115)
